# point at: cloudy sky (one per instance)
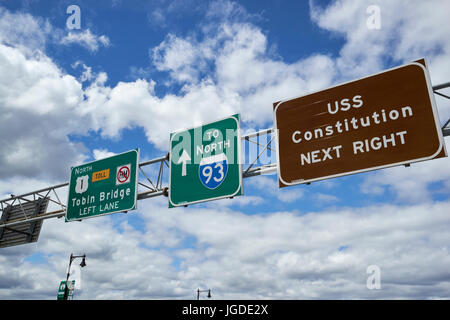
(135, 71)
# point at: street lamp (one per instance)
(198, 293)
(82, 264)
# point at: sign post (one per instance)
(380, 121)
(205, 163)
(104, 186)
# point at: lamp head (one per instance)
(83, 262)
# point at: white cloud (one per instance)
(86, 39)
(38, 103)
(102, 153)
(228, 67)
(412, 184)
(279, 255)
(24, 31)
(244, 79)
(326, 198)
(29, 33)
(87, 74)
(183, 67)
(241, 201)
(269, 187)
(114, 109)
(220, 10)
(157, 18)
(104, 247)
(418, 32)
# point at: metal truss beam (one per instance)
(445, 127)
(153, 183)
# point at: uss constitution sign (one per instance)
(380, 121)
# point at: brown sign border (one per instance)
(283, 183)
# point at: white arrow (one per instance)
(183, 159)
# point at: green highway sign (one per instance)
(62, 290)
(205, 163)
(104, 186)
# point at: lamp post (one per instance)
(82, 264)
(198, 293)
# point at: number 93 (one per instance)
(207, 172)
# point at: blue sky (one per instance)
(138, 70)
(133, 30)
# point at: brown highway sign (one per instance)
(383, 120)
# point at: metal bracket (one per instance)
(4, 218)
(445, 130)
(37, 209)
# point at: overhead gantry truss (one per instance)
(153, 177)
(30, 209)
